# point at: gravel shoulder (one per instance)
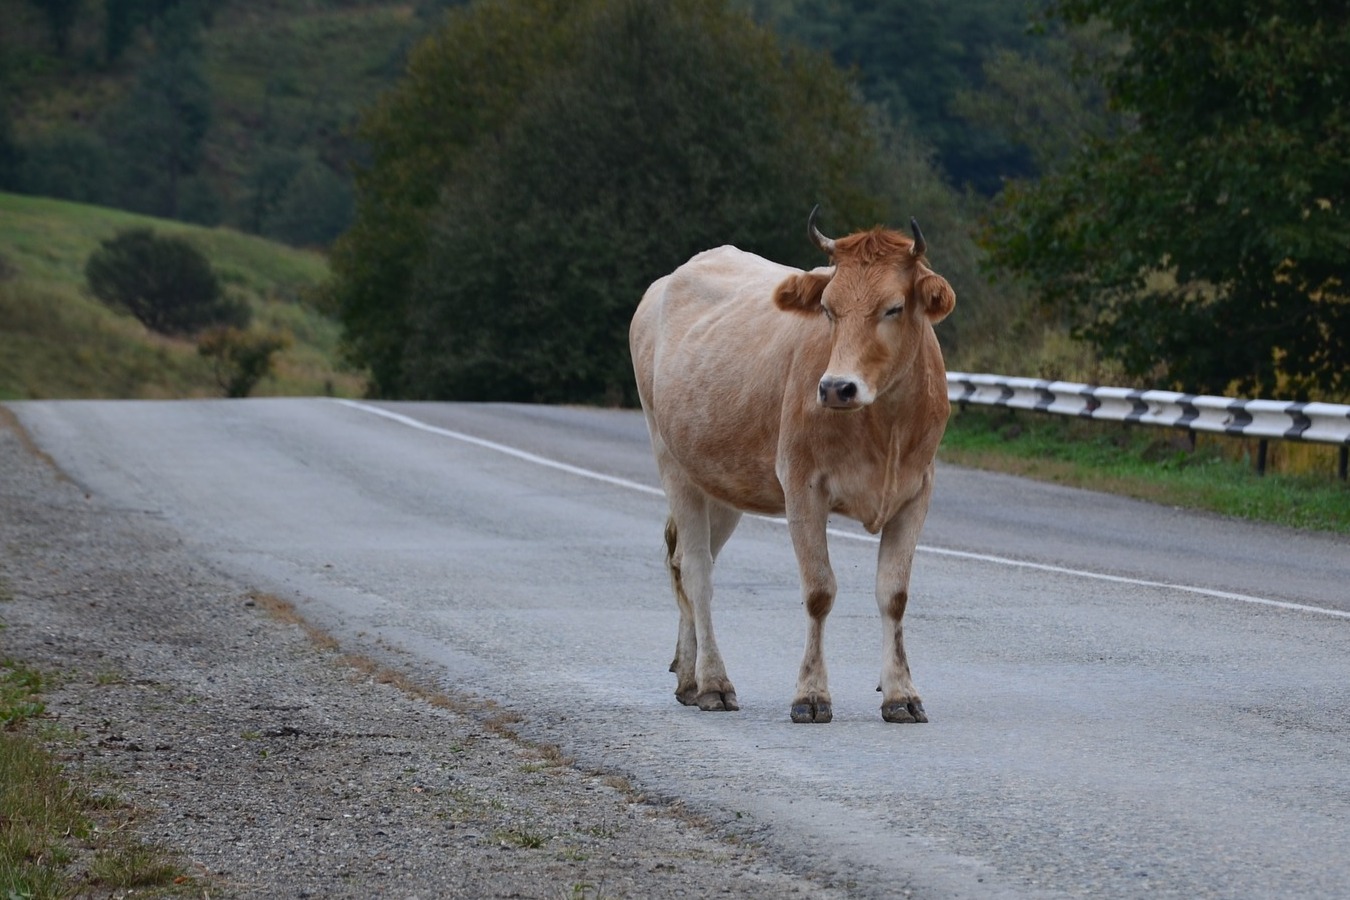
(271, 763)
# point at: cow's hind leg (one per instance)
(695, 533)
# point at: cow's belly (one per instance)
(728, 453)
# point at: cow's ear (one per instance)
(936, 295)
(800, 293)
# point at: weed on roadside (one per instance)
(47, 823)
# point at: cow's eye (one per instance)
(825, 309)
(895, 311)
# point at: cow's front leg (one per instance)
(806, 521)
(899, 700)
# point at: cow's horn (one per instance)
(920, 245)
(820, 240)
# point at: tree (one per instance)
(68, 162)
(165, 282)
(1207, 243)
(462, 85)
(61, 16)
(11, 155)
(636, 134)
(160, 128)
(915, 59)
(313, 209)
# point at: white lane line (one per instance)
(848, 535)
(502, 448)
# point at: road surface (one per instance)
(1125, 699)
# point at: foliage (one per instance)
(1207, 243)
(1155, 464)
(60, 20)
(287, 75)
(11, 156)
(545, 161)
(915, 59)
(67, 162)
(1032, 97)
(241, 358)
(165, 282)
(313, 208)
(58, 341)
(160, 128)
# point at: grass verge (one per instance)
(57, 839)
(1155, 464)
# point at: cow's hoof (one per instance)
(903, 711)
(718, 701)
(812, 711)
(688, 696)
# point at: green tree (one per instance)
(462, 85)
(1208, 243)
(11, 154)
(915, 59)
(313, 208)
(158, 132)
(658, 130)
(165, 282)
(61, 15)
(68, 162)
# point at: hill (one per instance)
(262, 94)
(57, 341)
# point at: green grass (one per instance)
(1153, 464)
(48, 823)
(57, 341)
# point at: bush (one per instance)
(241, 358)
(165, 282)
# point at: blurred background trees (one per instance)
(1206, 242)
(1129, 191)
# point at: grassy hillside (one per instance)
(57, 341)
(286, 80)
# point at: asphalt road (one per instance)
(1125, 699)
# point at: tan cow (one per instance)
(772, 390)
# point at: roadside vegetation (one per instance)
(1156, 464)
(57, 340)
(59, 838)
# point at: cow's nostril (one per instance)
(847, 391)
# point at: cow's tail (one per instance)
(672, 541)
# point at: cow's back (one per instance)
(713, 357)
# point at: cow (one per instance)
(777, 391)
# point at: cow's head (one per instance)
(879, 297)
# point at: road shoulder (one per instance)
(271, 763)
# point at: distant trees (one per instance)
(1206, 243)
(914, 60)
(544, 160)
(159, 128)
(164, 281)
(60, 19)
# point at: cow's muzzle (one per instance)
(840, 393)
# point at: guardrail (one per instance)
(1327, 423)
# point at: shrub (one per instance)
(242, 358)
(165, 282)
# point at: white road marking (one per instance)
(835, 532)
